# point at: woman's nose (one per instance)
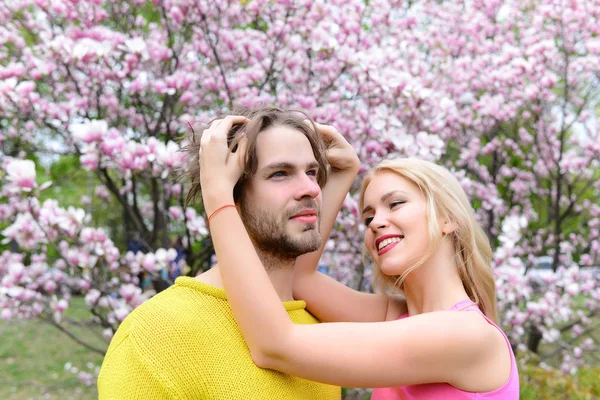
(378, 223)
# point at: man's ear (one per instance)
(448, 227)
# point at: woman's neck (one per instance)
(436, 284)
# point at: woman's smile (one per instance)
(387, 242)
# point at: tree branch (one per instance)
(73, 337)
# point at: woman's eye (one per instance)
(368, 221)
(396, 203)
(312, 172)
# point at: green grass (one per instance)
(33, 355)
(538, 384)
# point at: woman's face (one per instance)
(395, 214)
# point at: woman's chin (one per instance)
(391, 270)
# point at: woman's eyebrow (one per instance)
(385, 197)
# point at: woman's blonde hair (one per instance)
(445, 200)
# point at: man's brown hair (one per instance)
(261, 119)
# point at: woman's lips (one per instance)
(387, 248)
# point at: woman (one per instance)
(423, 238)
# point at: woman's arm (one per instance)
(442, 346)
(434, 347)
(332, 301)
(326, 298)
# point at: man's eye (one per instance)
(368, 221)
(278, 174)
(312, 172)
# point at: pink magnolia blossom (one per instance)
(175, 213)
(102, 193)
(86, 378)
(6, 314)
(21, 173)
(26, 232)
(90, 131)
(25, 88)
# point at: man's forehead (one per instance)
(283, 145)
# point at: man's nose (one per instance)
(307, 188)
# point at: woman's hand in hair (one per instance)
(220, 169)
(340, 154)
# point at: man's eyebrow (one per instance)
(385, 197)
(279, 165)
(287, 165)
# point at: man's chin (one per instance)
(303, 232)
(303, 227)
(310, 241)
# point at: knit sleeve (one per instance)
(125, 375)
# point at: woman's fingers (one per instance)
(214, 150)
(218, 130)
(239, 155)
(225, 125)
(328, 132)
(220, 168)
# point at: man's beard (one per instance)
(269, 234)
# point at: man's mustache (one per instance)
(307, 205)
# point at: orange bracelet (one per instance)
(219, 209)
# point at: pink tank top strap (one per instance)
(512, 384)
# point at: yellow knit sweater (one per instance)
(184, 343)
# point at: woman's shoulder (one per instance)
(492, 359)
(467, 330)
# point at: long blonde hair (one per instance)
(447, 200)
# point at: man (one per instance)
(184, 343)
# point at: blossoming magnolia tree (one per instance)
(504, 93)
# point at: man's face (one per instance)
(281, 203)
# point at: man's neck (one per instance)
(280, 271)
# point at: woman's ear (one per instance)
(448, 227)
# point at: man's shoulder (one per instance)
(174, 309)
(171, 321)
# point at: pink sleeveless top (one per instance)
(444, 391)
